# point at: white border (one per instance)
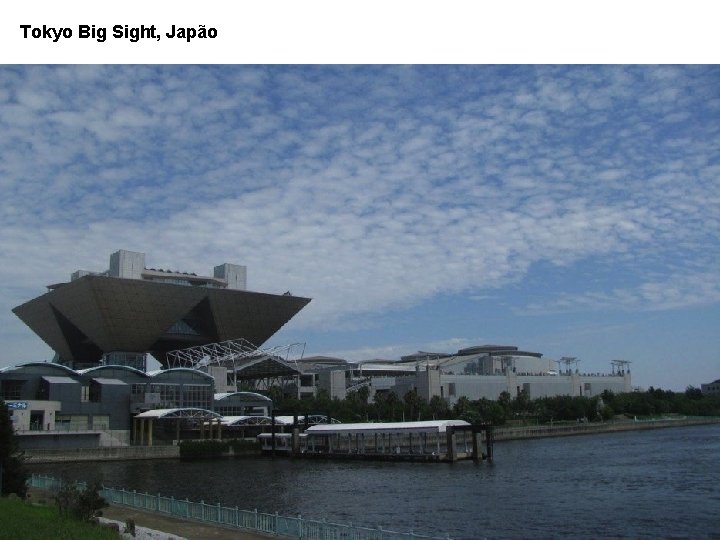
(373, 31)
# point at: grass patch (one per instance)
(29, 522)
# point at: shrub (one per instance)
(82, 504)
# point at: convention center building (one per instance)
(102, 326)
(119, 315)
(206, 333)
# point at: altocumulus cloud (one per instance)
(368, 188)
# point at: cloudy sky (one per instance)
(573, 211)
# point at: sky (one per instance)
(568, 210)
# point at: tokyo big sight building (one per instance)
(116, 316)
(102, 325)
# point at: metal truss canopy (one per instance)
(218, 354)
(241, 357)
(181, 413)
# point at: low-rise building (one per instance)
(52, 405)
(711, 388)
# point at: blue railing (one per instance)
(252, 520)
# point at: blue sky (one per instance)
(573, 211)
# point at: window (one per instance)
(169, 394)
(100, 421)
(137, 392)
(43, 390)
(84, 394)
(197, 395)
(135, 360)
(95, 392)
(71, 422)
(11, 389)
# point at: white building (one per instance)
(489, 370)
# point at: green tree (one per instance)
(462, 406)
(439, 408)
(12, 469)
(522, 405)
(413, 404)
(388, 404)
(607, 413)
(693, 393)
(504, 400)
(363, 394)
(82, 504)
(491, 411)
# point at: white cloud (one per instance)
(365, 188)
(397, 350)
(675, 291)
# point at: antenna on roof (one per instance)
(569, 361)
(621, 366)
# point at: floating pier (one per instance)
(432, 440)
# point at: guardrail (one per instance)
(252, 520)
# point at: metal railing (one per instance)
(532, 432)
(223, 516)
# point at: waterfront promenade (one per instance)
(501, 433)
(504, 433)
(172, 527)
(192, 519)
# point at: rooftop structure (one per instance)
(133, 309)
(711, 388)
(427, 426)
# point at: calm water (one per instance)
(662, 483)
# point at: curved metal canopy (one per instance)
(186, 412)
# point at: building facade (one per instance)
(52, 405)
(479, 372)
(118, 315)
(711, 388)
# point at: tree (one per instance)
(12, 469)
(504, 400)
(521, 405)
(491, 411)
(82, 504)
(693, 393)
(363, 394)
(386, 403)
(461, 407)
(439, 408)
(414, 403)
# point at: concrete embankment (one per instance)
(122, 453)
(536, 432)
(106, 453)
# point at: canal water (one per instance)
(644, 484)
